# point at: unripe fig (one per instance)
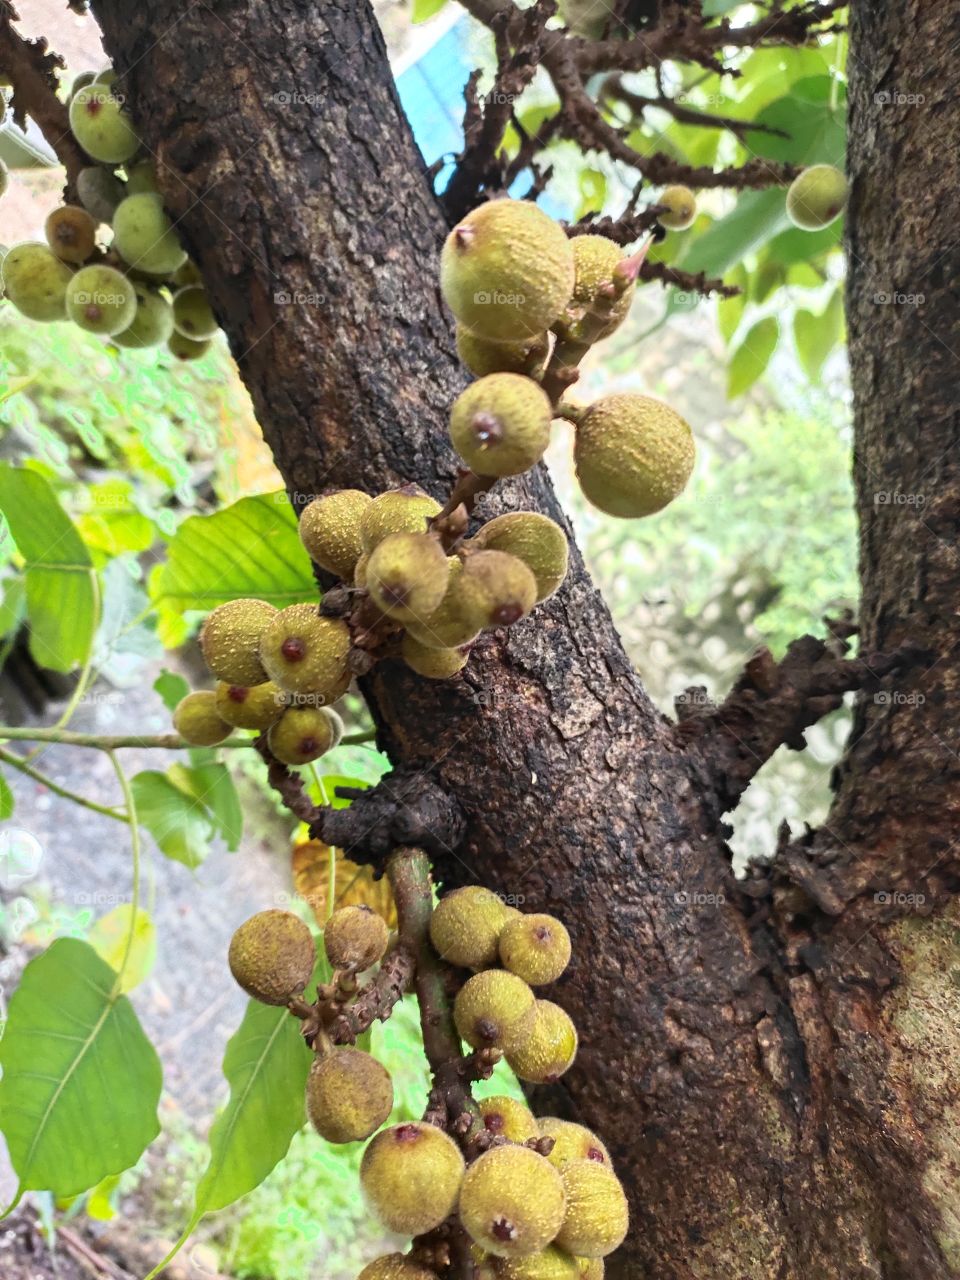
(183, 348)
(549, 1047)
(494, 1010)
(507, 1118)
(590, 1268)
(404, 510)
(355, 937)
(192, 314)
(71, 233)
(187, 273)
(330, 530)
(435, 664)
(349, 1095)
(152, 324)
(196, 719)
(101, 300)
(395, 1266)
(411, 1175)
(272, 956)
(500, 425)
(482, 357)
(144, 236)
(36, 281)
(512, 1201)
(496, 589)
(536, 948)
(681, 208)
(101, 126)
(572, 1142)
(506, 271)
(79, 82)
(407, 576)
(245, 707)
(535, 539)
(230, 640)
(141, 178)
(303, 734)
(552, 1264)
(306, 653)
(816, 197)
(99, 192)
(633, 454)
(595, 259)
(456, 622)
(466, 925)
(597, 1216)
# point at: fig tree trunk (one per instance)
(774, 1064)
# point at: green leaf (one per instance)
(758, 216)
(62, 591)
(424, 9)
(815, 128)
(249, 549)
(6, 799)
(177, 820)
(215, 789)
(13, 607)
(81, 1082)
(325, 793)
(752, 356)
(266, 1064)
(109, 935)
(171, 688)
(593, 192)
(817, 335)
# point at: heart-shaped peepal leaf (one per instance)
(81, 1082)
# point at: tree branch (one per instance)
(481, 166)
(31, 68)
(375, 1002)
(773, 703)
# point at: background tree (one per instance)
(770, 1058)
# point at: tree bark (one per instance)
(772, 1063)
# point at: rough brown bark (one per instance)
(742, 1049)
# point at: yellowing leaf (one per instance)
(354, 885)
(108, 937)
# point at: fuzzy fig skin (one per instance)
(411, 1175)
(506, 271)
(466, 925)
(330, 530)
(512, 1202)
(230, 640)
(633, 454)
(272, 956)
(355, 937)
(197, 719)
(349, 1095)
(597, 1216)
